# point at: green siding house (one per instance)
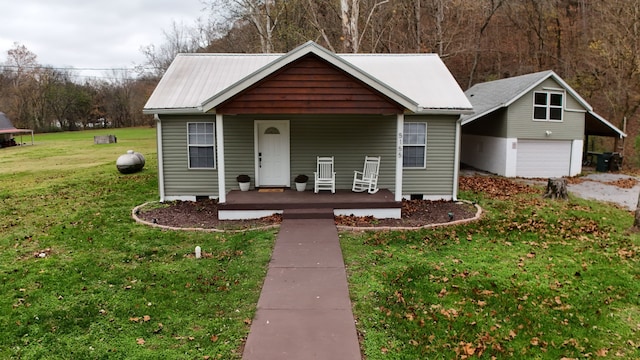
(270, 115)
(530, 126)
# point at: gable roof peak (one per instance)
(197, 83)
(301, 51)
(491, 95)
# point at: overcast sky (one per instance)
(90, 33)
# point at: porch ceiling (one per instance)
(595, 125)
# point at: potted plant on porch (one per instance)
(244, 181)
(301, 182)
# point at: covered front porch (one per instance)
(256, 204)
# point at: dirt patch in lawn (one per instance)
(204, 214)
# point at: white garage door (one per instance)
(543, 158)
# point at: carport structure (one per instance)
(7, 130)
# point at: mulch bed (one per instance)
(204, 214)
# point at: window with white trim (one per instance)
(547, 106)
(201, 145)
(414, 142)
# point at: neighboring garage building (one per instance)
(529, 126)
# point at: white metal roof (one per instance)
(193, 78)
(196, 83)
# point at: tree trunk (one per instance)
(557, 189)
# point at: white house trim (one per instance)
(160, 161)
(399, 156)
(222, 193)
(456, 161)
(576, 157)
(511, 157)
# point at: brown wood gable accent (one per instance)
(310, 85)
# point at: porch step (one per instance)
(310, 213)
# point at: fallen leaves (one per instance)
(627, 183)
(496, 187)
(602, 352)
(137, 319)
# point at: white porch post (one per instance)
(399, 155)
(222, 194)
(456, 169)
(160, 161)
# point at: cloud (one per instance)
(91, 34)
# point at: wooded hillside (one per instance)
(593, 45)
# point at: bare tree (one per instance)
(350, 17)
(317, 11)
(24, 66)
(179, 39)
(489, 9)
(262, 15)
(614, 61)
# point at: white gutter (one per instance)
(444, 111)
(222, 194)
(175, 111)
(399, 155)
(160, 159)
(456, 161)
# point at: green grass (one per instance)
(534, 279)
(108, 287)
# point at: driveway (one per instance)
(597, 186)
(593, 186)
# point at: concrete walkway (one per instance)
(304, 311)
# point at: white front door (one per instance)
(272, 153)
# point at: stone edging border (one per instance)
(478, 215)
(134, 215)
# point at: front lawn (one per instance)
(534, 279)
(80, 279)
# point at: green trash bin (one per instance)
(603, 162)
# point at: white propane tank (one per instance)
(130, 162)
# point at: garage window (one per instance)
(547, 106)
(200, 141)
(414, 145)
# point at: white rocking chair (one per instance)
(325, 177)
(367, 179)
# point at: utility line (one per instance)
(79, 69)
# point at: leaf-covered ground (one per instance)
(534, 278)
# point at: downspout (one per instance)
(456, 161)
(399, 150)
(160, 161)
(222, 194)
